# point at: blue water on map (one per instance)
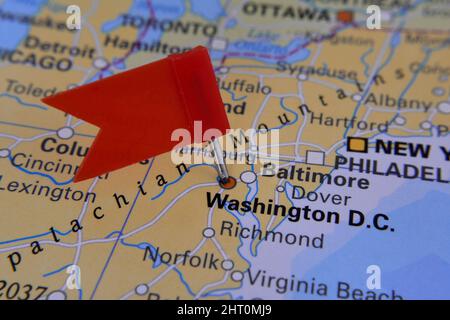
(292, 52)
(170, 9)
(415, 260)
(112, 25)
(56, 7)
(18, 30)
(163, 9)
(396, 39)
(231, 24)
(208, 9)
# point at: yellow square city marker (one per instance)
(357, 144)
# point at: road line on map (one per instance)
(80, 232)
(212, 284)
(121, 232)
(164, 211)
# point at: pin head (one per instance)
(229, 183)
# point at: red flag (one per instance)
(138, 110)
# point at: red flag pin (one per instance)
(138, 110)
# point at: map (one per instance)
(357, 208)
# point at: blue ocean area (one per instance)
(13, 32)
(414, 260)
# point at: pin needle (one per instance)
(220, 164)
